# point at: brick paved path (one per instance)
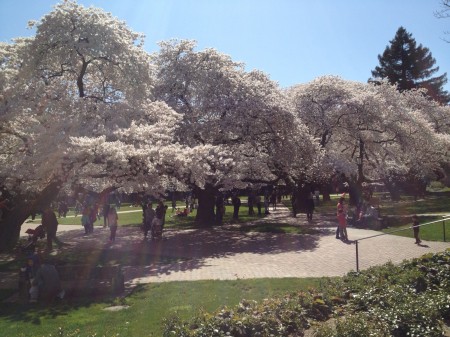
(226, 254)
(222, 254)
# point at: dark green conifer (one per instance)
(410, 66)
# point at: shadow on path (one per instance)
(188, 250)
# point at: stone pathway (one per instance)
(223, 253)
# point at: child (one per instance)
(415, 228)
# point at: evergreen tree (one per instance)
(410, 66)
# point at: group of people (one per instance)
(253, 200)
(110, 219)
(91, 213)
(40, 280)
(341, 230)
(154, 219)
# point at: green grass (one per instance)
(132, 216)
(436, 203)
(148, 306)
(397, 214)
(431, 232)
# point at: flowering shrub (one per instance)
(410, 299)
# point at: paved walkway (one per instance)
(224, 253)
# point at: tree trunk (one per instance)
(206, 201)
(355, 193)
(21, 209)
(10, 227)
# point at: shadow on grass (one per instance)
(431, 203)
(36, 313)
(275, 228)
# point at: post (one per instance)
(357, 256)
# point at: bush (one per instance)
(352, 326)
(410, 299)
(275, 317)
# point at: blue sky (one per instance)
(294, 41)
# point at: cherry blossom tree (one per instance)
(77, 109)
(242, 119)
(438, 116)
(370, 132)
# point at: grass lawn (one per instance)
(435, 203)
(431, 232)
(148, 306)
(132, 216)
(127, 216)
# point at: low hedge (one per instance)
(410, 299)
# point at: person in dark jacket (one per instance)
(160, 213)
(236, 205)
(50, 224)
(309, 206)
(416, 227)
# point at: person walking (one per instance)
(86, 219)
(105, 212)
(50, 224)
(415, 227)
(236, 205)
(266, 204)
(160, 213)
(92, 217)
(341, 231)
(258, 204)
(113, 223)
(309, 205)
(317, 197)
(273, 200)
(149, 215)
(174, 204)
(220, 209)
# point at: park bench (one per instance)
(85, 280)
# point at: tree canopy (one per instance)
(390, 131)
(77, 110)
(83, 105)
